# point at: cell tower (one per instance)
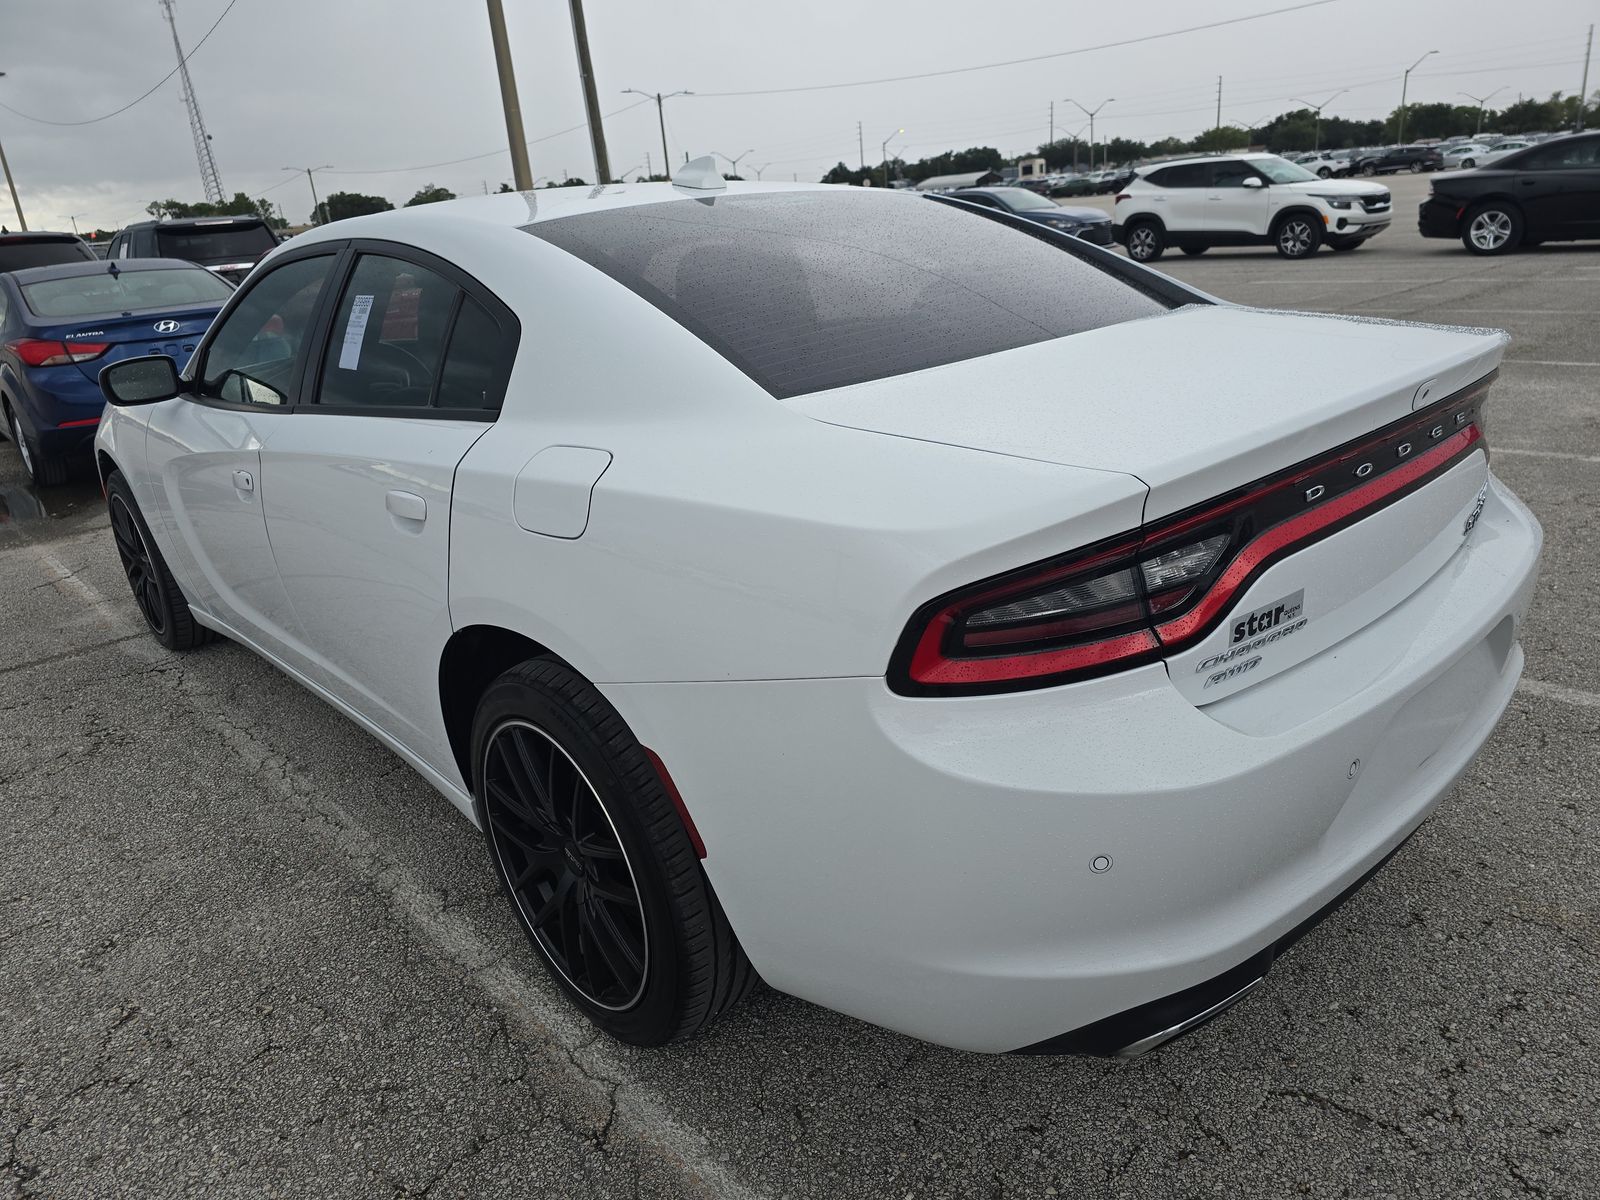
(197, 125)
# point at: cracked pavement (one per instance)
(247, 952)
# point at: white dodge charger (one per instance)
(954, 623)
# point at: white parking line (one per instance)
(1583, 458)
(1546, 362)
(1518, 312)
(1555, 691)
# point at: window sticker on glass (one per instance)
(355, 329)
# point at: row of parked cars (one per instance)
(1457, 153)
(1548, 191)
(66, 312)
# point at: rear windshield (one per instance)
(218, 244)
(804, 291)
(125, 292)
(42, 252)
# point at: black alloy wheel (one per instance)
(564, 866)
(600, 867)
(155, 591)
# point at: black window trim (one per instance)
(466, 285)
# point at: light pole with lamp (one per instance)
(734, 162)
(661, 117)
(759, 169)
(1405, 82)
(1090, 114)
(1316, 138)
(883, 154)
(73, 217)
(1482, 100)
(12, 184)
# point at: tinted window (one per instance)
(810, 290)
(1232, 174)
(1565, 155)
(215, 244)
(478, 362)
(387, 335)
(124, 292)
(17, 254)
(253, 356)
(1186, 175)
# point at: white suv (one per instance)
(1244, 200)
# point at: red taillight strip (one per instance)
(1298, 530)
(79, 423)
(930, 667)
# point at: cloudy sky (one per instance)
(382, 90)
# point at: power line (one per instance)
(115, 112)
(1133, 41)
(491, 153)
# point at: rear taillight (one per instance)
(1141, 596)
(35, 352)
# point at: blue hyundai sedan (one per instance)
(59, 325)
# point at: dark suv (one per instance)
(1403, 158)
(226, 246)
(22, 250)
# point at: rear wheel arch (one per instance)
(473, 658)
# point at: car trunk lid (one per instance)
(174, 332)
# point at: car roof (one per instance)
(1202, 158)
(191, 222)
(38, 235)
(100, 266)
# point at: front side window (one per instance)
(804, 291)
(253, 356)
(1232, 173)
(388, 336)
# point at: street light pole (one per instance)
(521, 173)
(1482, 100)
(12, 184)
(73, 217)
(733, 162)
(760, 169)
(883, 154)
(1090, 114)
(1405, 81)
(1316, 140)
(316, 205)
(661, 118)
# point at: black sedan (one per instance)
(1090, 224)
(1402, 158)
(1546, 193)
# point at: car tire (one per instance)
(1297, 235)
(1468, 163)
(1492, 228)
(1147, 241)
(1195, 251)
(161, 601)
(1368, 169)
(597, 863)
(1345, 243)
(1324, 173)
(1417, 168)
(46, 470)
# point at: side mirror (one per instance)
(147, 380)
(1250, 181)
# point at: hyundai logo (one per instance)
(166, 327)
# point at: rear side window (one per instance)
(19, 254)
(804, 291)
(1186, 175)
(478, 361)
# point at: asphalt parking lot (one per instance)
(246, 951)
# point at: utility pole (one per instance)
(591, 102)
(1400, 124)
(1219, 101)
(661, 119)
(73, 217)
(647, 171)
(861, 147)
(209, 180)
(316, 205)
(1583, 92)
(12, 184)
(1052, 140)
(521, 174)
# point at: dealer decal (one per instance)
(1279, 612)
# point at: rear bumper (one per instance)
(986, 872)
(1438, 218)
